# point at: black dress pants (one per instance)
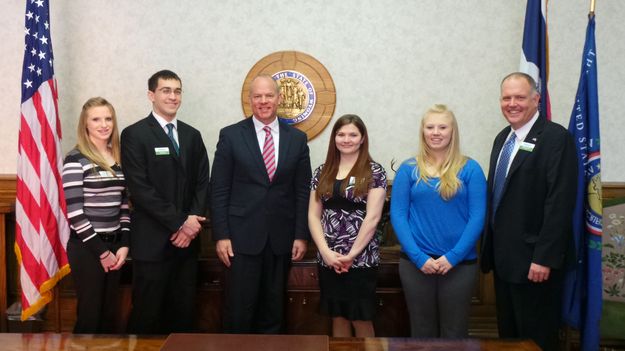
(163, 296)
(96, 290)
(530, 310)
(255, 294)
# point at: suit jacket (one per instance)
(164, 187)
(533, 222)
(248, 209)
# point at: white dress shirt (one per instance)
(163, 122)
(521, 133)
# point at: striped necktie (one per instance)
(269, 153)
(170, 134)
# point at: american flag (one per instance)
(535, 53)
(41, 223)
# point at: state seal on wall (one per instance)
(307, 89)
(298, 96)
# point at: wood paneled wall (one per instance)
(302, 318)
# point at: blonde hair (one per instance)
(453, 162)
(84, 143)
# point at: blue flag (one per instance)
(535, 53)
(583, 286)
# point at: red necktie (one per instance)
(269, 154)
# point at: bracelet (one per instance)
(107, 255)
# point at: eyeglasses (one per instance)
(168, 91)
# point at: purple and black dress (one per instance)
(350, 295)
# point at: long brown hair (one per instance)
(84, 144)
(454, 160)
(361, 171)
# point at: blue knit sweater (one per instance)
(426, 224)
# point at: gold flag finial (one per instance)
(592, 8)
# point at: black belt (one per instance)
(341, 203)
(111, 237)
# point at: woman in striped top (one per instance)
(97, 207)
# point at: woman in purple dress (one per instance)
(346, 200)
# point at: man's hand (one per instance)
(538, 273)
(192, 226)
(180, 239)
(299, 249)
(187, 232)
(224, 251)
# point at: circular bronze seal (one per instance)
(307, 89)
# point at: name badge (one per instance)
(525, 146)
(105, 174)
(160, 151)
(351, 183)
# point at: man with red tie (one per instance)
(260, 189)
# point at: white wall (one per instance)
(390, 60)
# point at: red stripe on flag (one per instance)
(29, 263)
(55, 98)
(29, 146)
(29, 204)
(47, 137)
(51, 228)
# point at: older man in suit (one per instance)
(528, 239)
(260, 189)
(166, 167)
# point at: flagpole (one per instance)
(592, 9)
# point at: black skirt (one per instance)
(349, 295)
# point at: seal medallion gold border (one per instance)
(318, 75)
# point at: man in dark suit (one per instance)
(260, 189)
(528, 239)
(167, 171)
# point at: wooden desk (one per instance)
(225, 342)
(62, 342)
(405, 344)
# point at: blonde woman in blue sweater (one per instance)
(438, 206)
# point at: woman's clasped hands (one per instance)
(113, 262)
(436, 266)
